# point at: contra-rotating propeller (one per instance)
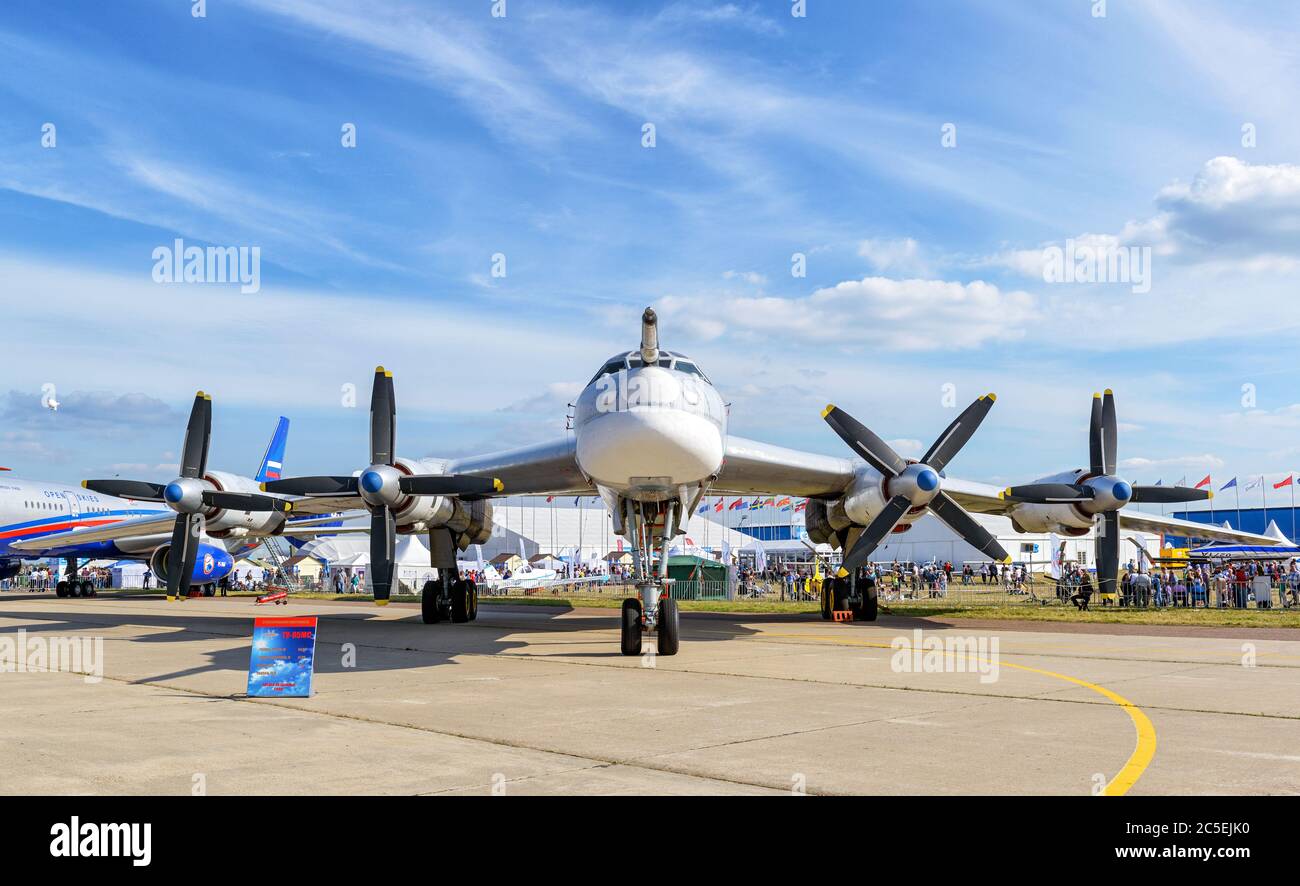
(188, 495)
(383, 486)
(915, 485)
(1100, 491)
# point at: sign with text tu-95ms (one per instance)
(283, 658)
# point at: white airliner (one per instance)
(650, 438)
(136, 520)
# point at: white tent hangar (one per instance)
(352, 553)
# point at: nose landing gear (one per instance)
(655, 610)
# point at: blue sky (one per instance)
(774, 135)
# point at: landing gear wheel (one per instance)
(630, 636)
(473, 599)
(88, 589)
(828, 594)
(61, 589)
(870, 603)
(840, 600)
(430, 612)
(668, 627)
(459, 601)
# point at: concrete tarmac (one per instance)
(537, 700)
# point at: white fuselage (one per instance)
(31, 509)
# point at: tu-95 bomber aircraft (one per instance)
(649, 436)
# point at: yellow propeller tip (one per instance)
(1209, 493)
(498, 485)
(1096, 396)
(380, 370)
(261, 486)
(288, 506)
(170, 598)
(827, 410)
(1109, 392)
(1008, 559)
(381, 602)
(83, 484)
(993, 397)
(842, 573)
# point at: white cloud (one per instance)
(903, 315)
(1204, 461)
(896, 256)
(1232, 216)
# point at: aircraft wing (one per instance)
(983, 499)
(1144, 522)
(550, 468)
(755, 467)
(153, 524)
(751, 466)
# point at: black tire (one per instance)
(839, 594)
(827, 593)
(668, 628)
(459, 601)
(473, 599)
(870, 607)
(630, 633)
(430, 611)
(61, 589)
(88, 589)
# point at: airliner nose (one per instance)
(660, 447)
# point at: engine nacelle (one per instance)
(1060, 518)
(818, 523)
(210, 565)
(222, 523)
(10, 568)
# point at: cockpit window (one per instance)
(609, 368)
(690, 369)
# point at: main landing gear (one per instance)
(449, 598)
(73, 586)
(853, 593)
(655, 610)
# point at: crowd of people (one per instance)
(1231, 585)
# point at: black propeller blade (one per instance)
(140, 490)
(182, 554)
(1169, 495)
(962, 523)
(879, 454)
(448, 484)
(383, 543)
(1047, 493)
(1109, 433)
(958, 433)
(1096, 459)
(329, 487)
(1108, 552)
(915, 485)
(245, 501)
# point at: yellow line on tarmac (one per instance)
(1143, 751)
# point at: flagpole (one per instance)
(1263, 497)
(1237, 490)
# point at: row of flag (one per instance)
(742, 504)
(1255, 483)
